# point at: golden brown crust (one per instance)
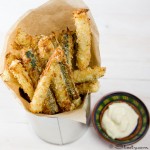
(88, 74)
(50, 106)
(7, 76)
(46, 47)
(66, 40)
(60, 90)
(80, 11)
(9, 58)
(88, 87)
(24, 40)
(19, 72)
(32, 64)
(83, 32)
(40, 94)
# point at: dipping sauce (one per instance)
(119, 120)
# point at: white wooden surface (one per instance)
(125, 50)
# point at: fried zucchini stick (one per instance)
(7, 76)
(67, 45)
(70, 86)
(42, 88)
(32, 65)
(50, 106)
(60, 90)
(9, 58)
(46, 47)
(19, 72)
(88, 87)
(54, 40)
(83, 32)
(24, 40)
(88, 74)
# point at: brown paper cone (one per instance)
(55, 15)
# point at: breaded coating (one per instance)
(24, 40)
(70, 85)
(88, 74)
(40, 94)
(60, 91)
(7, 76)
(50, 106)
(9, 58)
(83, 32)
(88, 87)
(46, 47)
(66, 41)
(54, 39)
(35, 40)
(19, 72)
(32, 65)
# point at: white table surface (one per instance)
(125, 50)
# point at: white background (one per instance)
(124, 27)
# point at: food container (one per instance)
(59, 130)
(52, 16)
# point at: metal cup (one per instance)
(59, 130)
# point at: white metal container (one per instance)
(59, 130)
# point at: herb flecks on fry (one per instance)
(41, 91)
(67, 45)
(70, 85)
(32, 64)
(50, 106)
(60, 91)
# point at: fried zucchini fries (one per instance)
(65, 91)
(42, 88)
(24, 40)
(50, 106)
(53, 72)
(31, 64)
(83, 32)
(19, 72)
(7, 76)
(46, 47)
(60, 91)
(88, 74)
(70, 86)
(88, 87)
(9, 58)
(66, 41)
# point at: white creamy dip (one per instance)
(119, 120)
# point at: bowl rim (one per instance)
(126, 94)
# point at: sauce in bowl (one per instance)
(119, 120)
